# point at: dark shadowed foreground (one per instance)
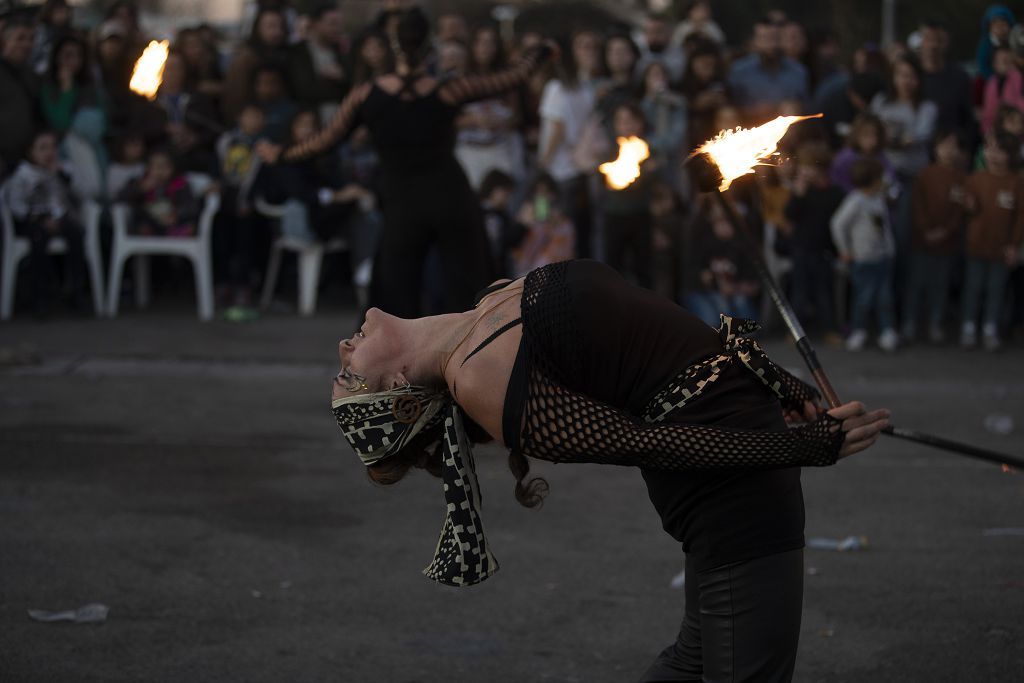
(189, 477)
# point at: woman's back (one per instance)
(620, 344)
(412, 127)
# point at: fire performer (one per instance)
(425, 197)
(574, 364)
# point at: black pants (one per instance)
(420, 212)
(811, 287)
(577, 206)
(39, 261)
(742, 623)
(627, 245)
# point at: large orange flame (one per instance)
(148, 72)
(624, 171)
(736, 152)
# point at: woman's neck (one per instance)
(435, 338)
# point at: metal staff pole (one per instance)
(707, 177)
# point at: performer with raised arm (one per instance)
(574, 364)
(425, 197)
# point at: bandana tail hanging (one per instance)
(462, 557)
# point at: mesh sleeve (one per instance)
(792, 391)
(564, 426)
(469, 88)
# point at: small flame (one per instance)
(1008, 470)
(624, 171)
(149, 69)
(736, 152)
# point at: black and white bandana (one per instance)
(379, 425)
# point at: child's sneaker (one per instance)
(888, 341)
(968, 336)
(990, 338)
(856, 340)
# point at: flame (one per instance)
(1008, 470)
(736, 152)
(148, 72)
(624, 171)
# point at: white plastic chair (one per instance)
(15, 248)
(309, 255)
(196, 249)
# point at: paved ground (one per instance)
(190, 477)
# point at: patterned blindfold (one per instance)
(379, 425)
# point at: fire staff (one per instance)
(426, 199)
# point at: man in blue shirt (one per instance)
(764, 78)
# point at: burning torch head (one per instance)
(704, 172)
(735, 153)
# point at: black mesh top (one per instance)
(721, 471)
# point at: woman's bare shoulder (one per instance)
(392, 84)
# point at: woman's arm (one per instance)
(563, 426)
(465, 89)
(337, 128)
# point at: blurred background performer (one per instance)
(426, 199)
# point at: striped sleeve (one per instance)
(340, 125)
(469, 88)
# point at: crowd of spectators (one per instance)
(900, 211)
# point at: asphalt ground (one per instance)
(190, 477)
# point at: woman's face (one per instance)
(271, 29)
(371, 354)
(656, 79)
(586, 51)
(620, 57)
(70, 58)
(626, 124)
(124, 14)
(373, 52)
(192, 48)
(904, 80)
(111, 49)
(704, 67)
(485, 47)
(699, 12)
(174, 74)
(60, 16)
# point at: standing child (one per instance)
(809, 211)
(234, 237)
(502, 232)
(40, 204)
(994, 235)
(162, 202)
(938, 211)
(863, 236)
(550, 236)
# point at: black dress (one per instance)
(734, 509)
(426, 199)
